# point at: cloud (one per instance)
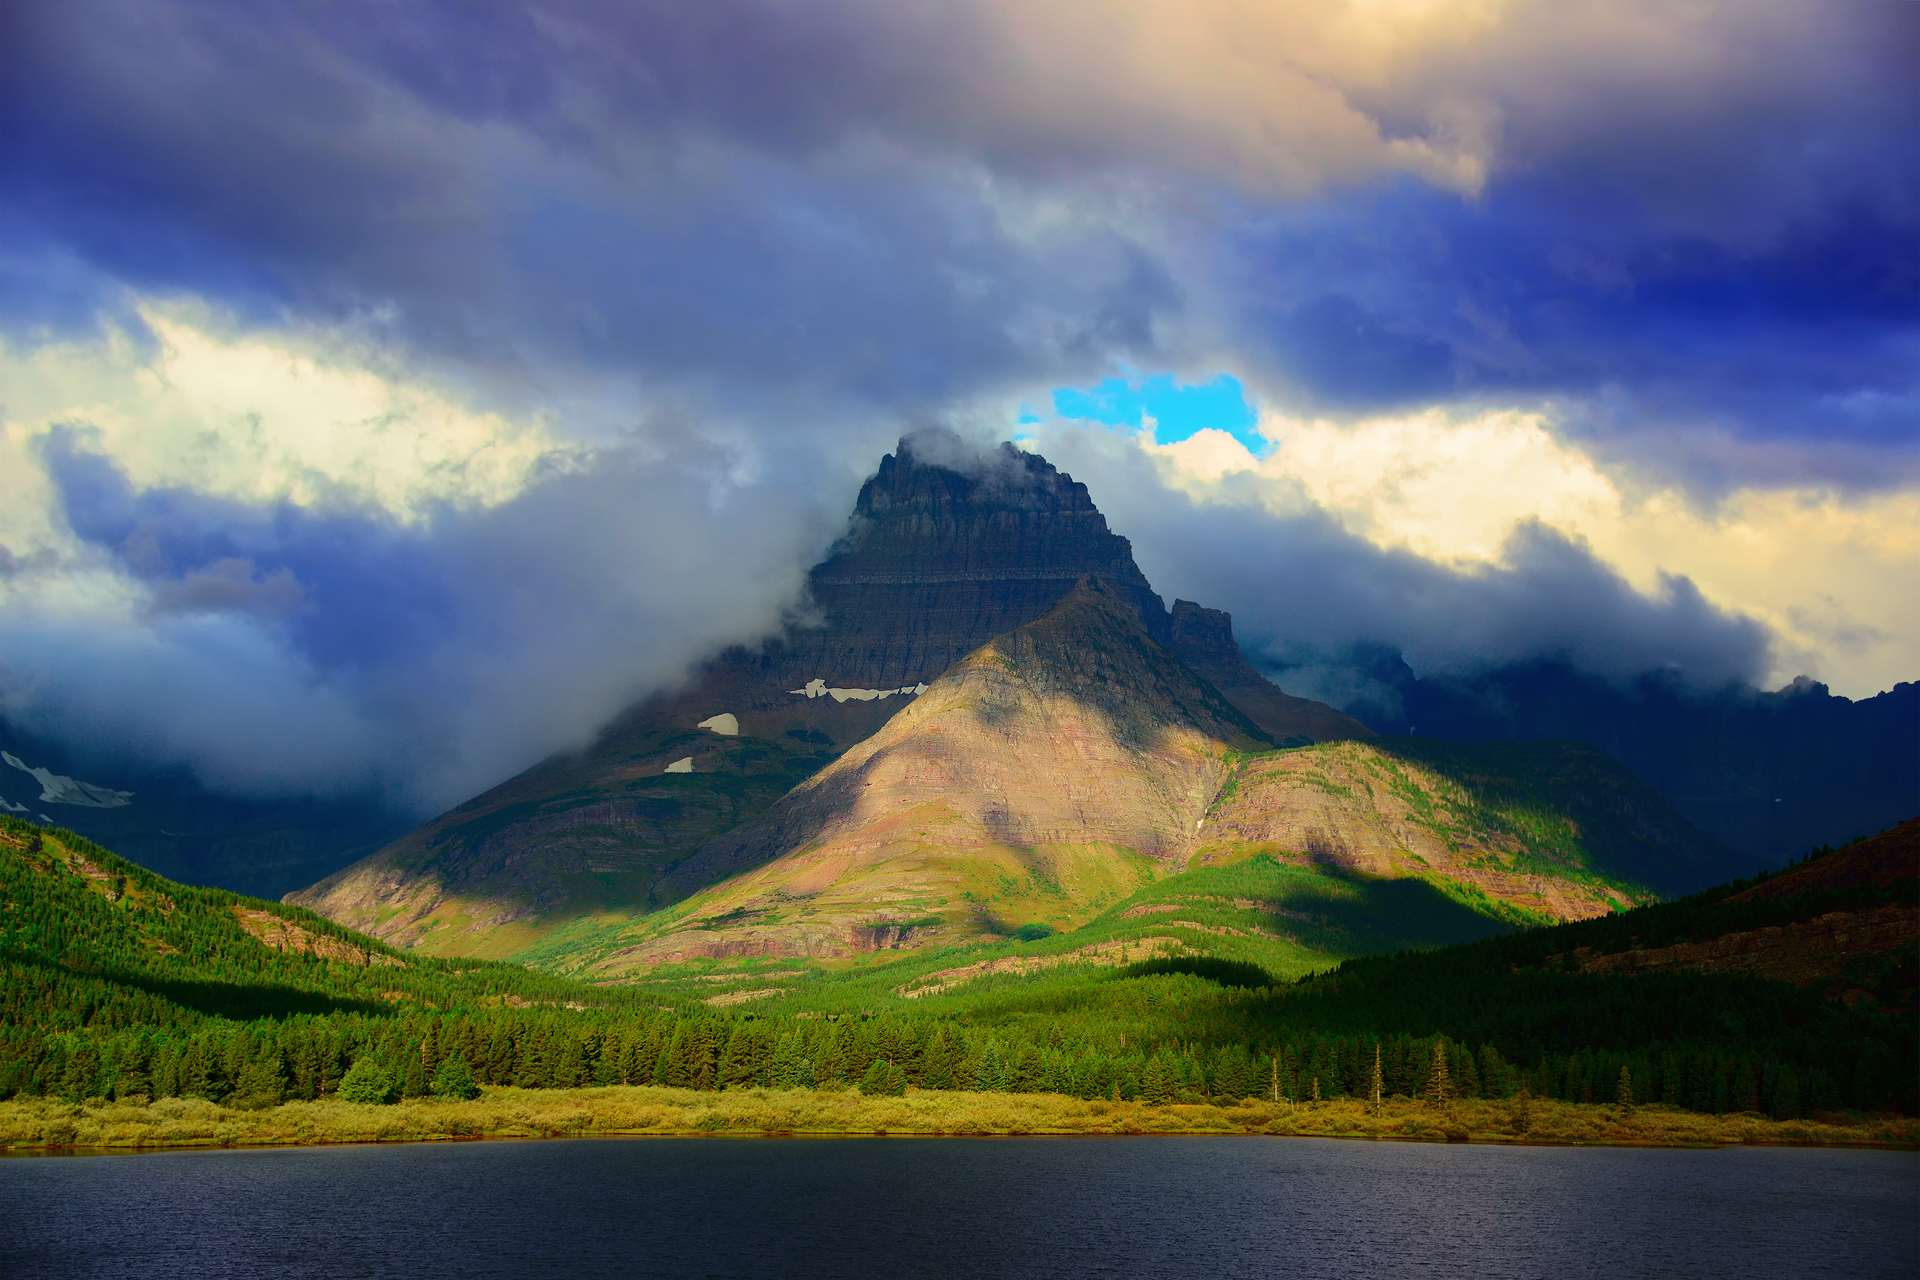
(274, 649)
(410, 385)
(1307, 592)
(909, 206)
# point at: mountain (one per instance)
(1064, 765)
(1767, 774)
(945, 550)
(168, 821)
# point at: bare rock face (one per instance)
(1203, 639)
(942, 558)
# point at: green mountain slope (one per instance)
(120, 984)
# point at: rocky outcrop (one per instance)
(947, 550)
(1203, 639)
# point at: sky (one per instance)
(390, 393)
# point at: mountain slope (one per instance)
(1203, 639)
(89, 937)
(1550, 826)
(1770, 774)
(1050, 775)
(167, 820)
(1069, 756)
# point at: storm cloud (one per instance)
(391, 392)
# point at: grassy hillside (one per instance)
(119, 984)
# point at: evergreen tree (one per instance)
(1623, 1090)
(1377, 1082)
(1523, 1111)
(1156, 1082)
(413, 1083)
(883, 1079)
(454, 1079)
(261, 1082)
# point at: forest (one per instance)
(116, 983)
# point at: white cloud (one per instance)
(1835, 577)
(263, 416)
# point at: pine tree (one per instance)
(1376, 1079)
(1523, 1111)
(1316, 1088)
(1276, 1079)
(1623, 1090)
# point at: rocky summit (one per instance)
(946, 549)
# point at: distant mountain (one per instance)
(944, 551)
(170, 823)
(1060, 767)
(1768, 774)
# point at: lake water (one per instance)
(1069, 1207)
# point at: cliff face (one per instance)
(938, 561)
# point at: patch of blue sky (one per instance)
(1177, 409)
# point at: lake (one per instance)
(1133, 1207)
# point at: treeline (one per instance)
(115, 983)
(307, 1057)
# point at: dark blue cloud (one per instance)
(1407, 297)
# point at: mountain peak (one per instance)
(950, 546)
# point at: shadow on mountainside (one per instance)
(1579, 802)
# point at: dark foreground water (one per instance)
(1133, 1207)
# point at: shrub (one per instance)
(454, 1079)
(367, 1081)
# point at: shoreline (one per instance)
(47, 1127)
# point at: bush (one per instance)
(454, 1079)
(367, 1081)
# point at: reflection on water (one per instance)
(1133, 1207)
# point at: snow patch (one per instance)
(55, 789)
(726, 724)
(683, 765)
(819, 689)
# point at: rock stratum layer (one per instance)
(946, 549)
